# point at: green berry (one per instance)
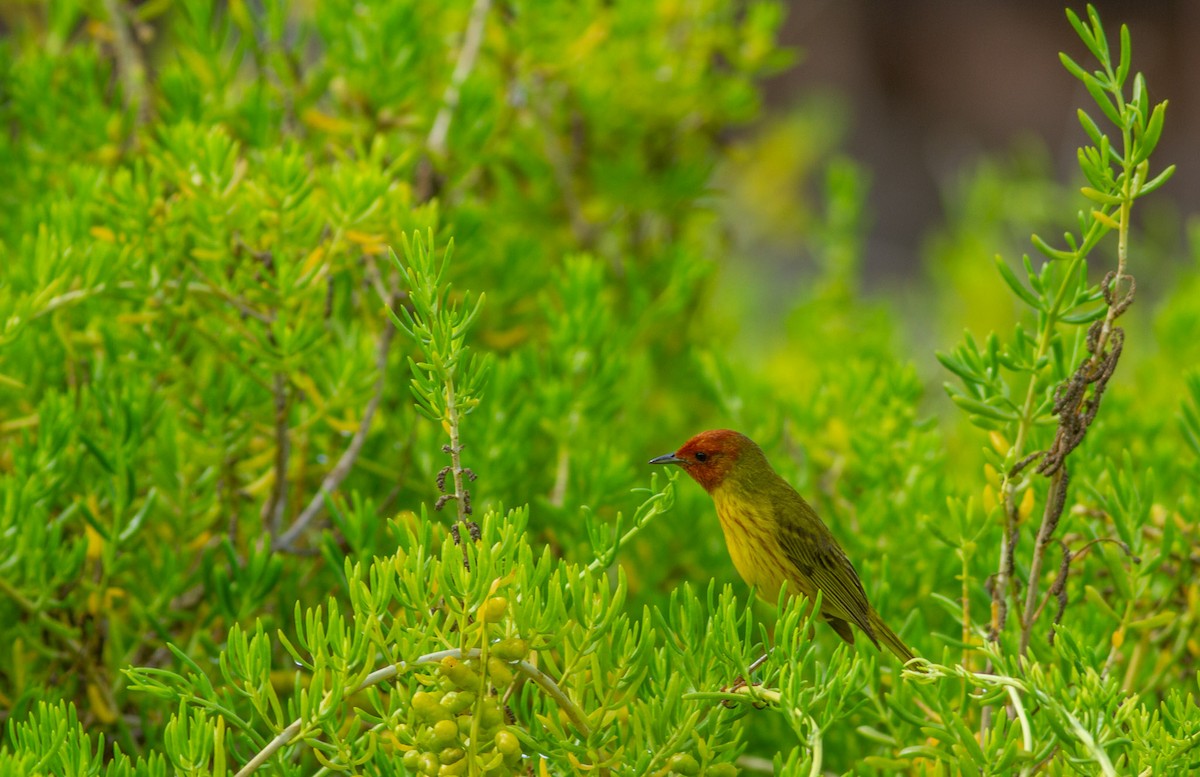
(493, 609)
(500, 673)
(491, 716)
(491, 761)
(462, 675)
(511, 649)
(454, 769)
(445, 733)
(428, 764)
(457, 701)
(721, 770)
(684, 763)
(507, 742)
(428, 708)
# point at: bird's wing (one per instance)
(814, 552)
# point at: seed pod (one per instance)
(445, 733)
(491, 716)
(500, 673)
(507, 742)
(721, 770)
(454, 769)
(428, 764)
(428, 708)
(511, 649)
(491, 761)
(684, 763)
(462, 675)
(451, 755)
(457, 701)
(493, 609)
(409, 759)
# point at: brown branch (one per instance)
(1056, 500)
(427, 184)
(1058, 590)
(275, 507)
(467, 55)
(1023, 463)
(130, 69)
(562, 168)
(1004, 573)
(215, 289)
(461, 496)
(999, 589)
(333, 480)
(1076, 411)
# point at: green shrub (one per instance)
(279, 494)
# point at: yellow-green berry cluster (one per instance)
(458, 718)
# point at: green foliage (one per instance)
(1038, 394)
(239, 380)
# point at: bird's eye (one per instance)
(701, 456)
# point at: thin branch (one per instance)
(130, 69)
(543, 680)
(1076, 412)
(275, 507)
(768, 695)
(1026, 733)
(1000, 586)
(215, 288)
(1004, 573)
(462, 499)
(344, 464)
(439, 133)
(461, 496)
(546, 682)
(1056, 499)
(467, 55)
(1058, 590)
(562, 474)
(1090, 744)
(192, 287)
(562, 169)
(47, 622)
(68, 297)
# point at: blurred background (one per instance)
(946, 107)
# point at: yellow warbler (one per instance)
(774, 535)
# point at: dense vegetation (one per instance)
(278, 494)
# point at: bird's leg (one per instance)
(741, 682)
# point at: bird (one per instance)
(774, 535)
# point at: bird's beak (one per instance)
(669, 458)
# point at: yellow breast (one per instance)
(750, 537)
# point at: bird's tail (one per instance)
(889, 638)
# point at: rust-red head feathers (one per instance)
(709, 457)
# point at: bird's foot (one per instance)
(741, 683)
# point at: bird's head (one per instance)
(709, 457)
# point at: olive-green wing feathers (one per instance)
(812, 549)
